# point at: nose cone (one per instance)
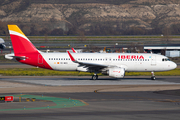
(173, 65)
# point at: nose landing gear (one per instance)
(95, 77)
(153, 76)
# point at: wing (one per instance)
(91, 66)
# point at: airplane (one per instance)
(2, 45)
(112, 64)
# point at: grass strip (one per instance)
(45, 72)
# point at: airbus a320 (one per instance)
(112, 64)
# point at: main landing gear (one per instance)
(153, 76)
(95, 77)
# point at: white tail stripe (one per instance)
(18, 34)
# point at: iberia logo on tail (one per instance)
(21, 44)
(14, 30)
(24, 51)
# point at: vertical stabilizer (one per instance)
(21, 44)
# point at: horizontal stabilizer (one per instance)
(12, 57)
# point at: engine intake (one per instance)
(2, 46)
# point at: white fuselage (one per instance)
(128, 61)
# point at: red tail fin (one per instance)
(21, 44)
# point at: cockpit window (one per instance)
(165, 59)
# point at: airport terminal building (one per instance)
(167, 50)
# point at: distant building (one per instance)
(168, 50)
(77, 50)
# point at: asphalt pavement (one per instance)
(121, 101)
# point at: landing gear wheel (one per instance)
(153, 78)
(94, 77)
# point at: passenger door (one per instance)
(153, 60)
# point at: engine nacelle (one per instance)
(2, 46)
(116, 72)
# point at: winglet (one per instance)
(72, 58)
(73, 50)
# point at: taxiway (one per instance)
(135, 97)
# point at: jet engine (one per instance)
(2, 46)
(116, 72)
